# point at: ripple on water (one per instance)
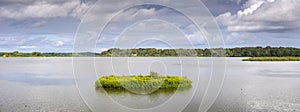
(263, 105)
(276, 73)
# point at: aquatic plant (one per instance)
(143, 82)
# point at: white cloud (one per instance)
(147, 31)
(59, 43)
(136, 13)
(102, 49)
(249, 10)
(156, 26)
(263, 15)
(44, 9)
(47, 43)
(39, 23)
(27, 47)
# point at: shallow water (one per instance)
(47, 84)
(38, 85)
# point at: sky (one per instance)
(53, 25)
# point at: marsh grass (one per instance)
(272, 59)
(124, 91)
(143, 82)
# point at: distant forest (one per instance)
(40, 54)
(153, 52)
(229, 52)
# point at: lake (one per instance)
(48, 84)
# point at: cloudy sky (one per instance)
(51, 25)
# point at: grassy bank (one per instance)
(272, 59)
(141, 82)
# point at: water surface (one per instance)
(47, 84)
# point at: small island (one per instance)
(143, 82)
(272, 59)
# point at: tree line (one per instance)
(215, 52)
(40, 54)
(153, 52)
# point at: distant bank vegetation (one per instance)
(272, 59)
(143, 82)
(153, 52)
(215, 52)
(40, 54)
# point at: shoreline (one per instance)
(243, 59)
(272, 59)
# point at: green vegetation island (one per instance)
(150, 82)
(153, 52)
(272, 59)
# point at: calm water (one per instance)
(47, 84)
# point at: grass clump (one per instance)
(272, 59)
(143, 82)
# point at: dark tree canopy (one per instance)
(229, 52)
